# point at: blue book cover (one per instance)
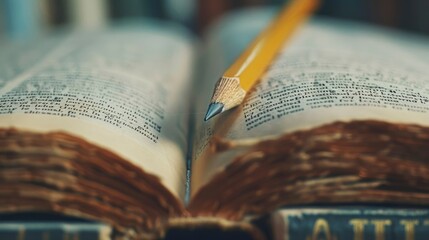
(54, 230)
(350, 223)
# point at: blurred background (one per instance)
(21, 19)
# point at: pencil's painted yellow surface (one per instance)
(259, 54)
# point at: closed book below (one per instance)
(356, 223)
(54, 230)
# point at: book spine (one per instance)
(2, 20)
(356, 223)
(22, 18)
(182, 11)
(88, 14)
(127, 9)
(51, 231)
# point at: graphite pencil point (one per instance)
(213, 110)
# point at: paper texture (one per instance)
(330, 71)
(122, 89)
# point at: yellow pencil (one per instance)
(232, 87)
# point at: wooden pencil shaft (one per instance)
(255, 59)
(231, 88)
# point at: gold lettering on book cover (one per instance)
(409, 226)
(321, 227)
(358, 228)
(380, 228)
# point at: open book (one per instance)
(108, 125)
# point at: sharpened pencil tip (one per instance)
(214, 109)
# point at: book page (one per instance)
(330, 71)
(123, 89)
(219, 51)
